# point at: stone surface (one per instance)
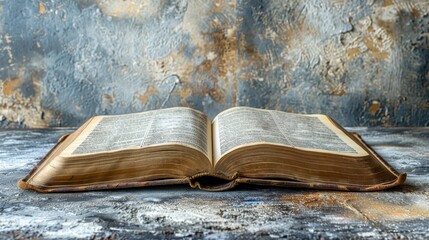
(245, 212)
(365, 63)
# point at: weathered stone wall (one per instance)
(361, 62)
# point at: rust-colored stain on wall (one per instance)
(20, 109)
(363, 63)
(42, 9)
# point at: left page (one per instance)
(167, 126)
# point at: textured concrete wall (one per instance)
(361, 62)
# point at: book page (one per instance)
(167, 126)
(243, 126)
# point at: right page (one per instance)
(241, 126)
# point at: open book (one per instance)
(182, 146)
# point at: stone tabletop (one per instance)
(245, 212)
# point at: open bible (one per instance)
(241, 145)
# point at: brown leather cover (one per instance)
(218, 181)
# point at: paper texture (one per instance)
(174, 125)
(240, 126)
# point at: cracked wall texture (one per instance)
(365, 63)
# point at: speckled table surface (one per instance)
(245, 212)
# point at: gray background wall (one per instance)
(361, 62)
